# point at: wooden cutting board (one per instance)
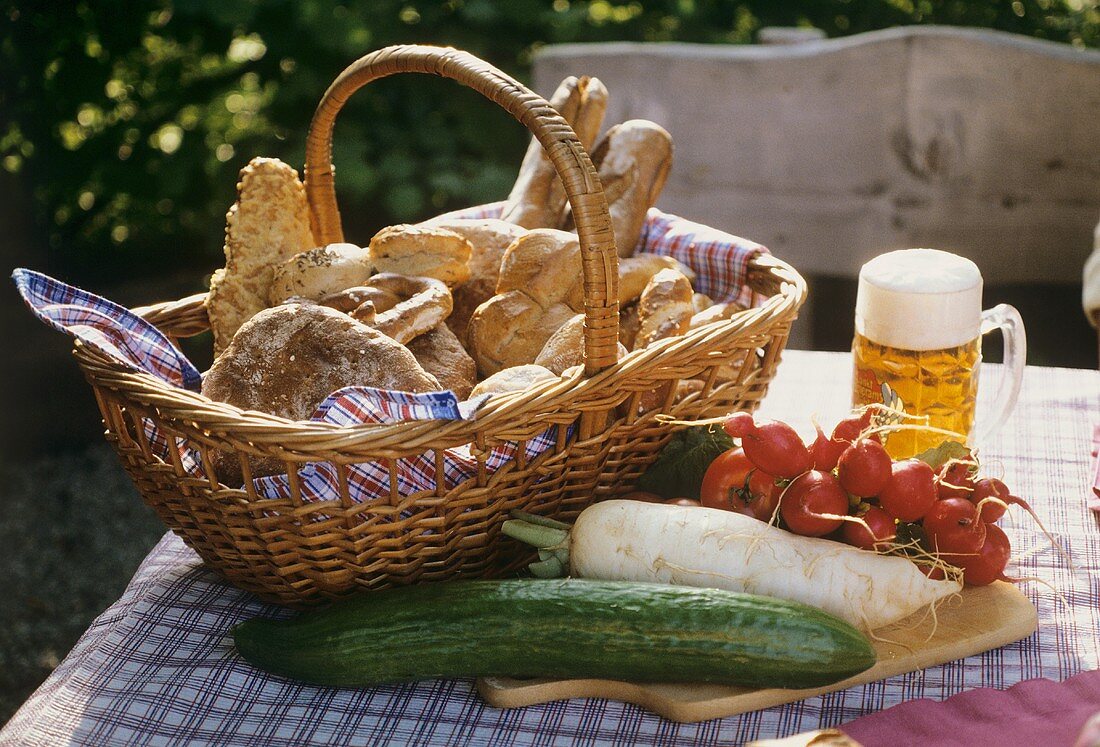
(978, 620)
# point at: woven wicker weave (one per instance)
(298, 552)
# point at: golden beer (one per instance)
(918, 346)
(941, 385)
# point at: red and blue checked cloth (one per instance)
(719, 259)
(158, 668)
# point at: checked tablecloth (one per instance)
(157, 667)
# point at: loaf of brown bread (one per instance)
(286, 360)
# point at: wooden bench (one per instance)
(830, 152)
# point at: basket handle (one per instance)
(599, 259)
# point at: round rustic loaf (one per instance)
(286, 360)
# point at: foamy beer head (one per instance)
(919, 299)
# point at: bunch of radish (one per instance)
(846, 487)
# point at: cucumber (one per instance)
(560, 628)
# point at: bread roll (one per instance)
(268, 224)
(628, 325)
(286, 360)
(634, 273)
(424, 304)
(441, 354)
(544, 263)
(319, 272)
(664, 309)
(537, 199)
(700, 301)
(488, 238)
(633, 160)
(513, 379)
(714, 313)
(510, 329)
(565, 348)
(423, 251)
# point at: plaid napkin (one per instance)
(720, 261)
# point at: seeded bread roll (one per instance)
(489, 238)
(513, 379)
(664, 309)
(268, 224)
(422, 250)
(319, 272)
(286, 360)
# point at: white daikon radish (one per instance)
(692, 546)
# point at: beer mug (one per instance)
(918, 346)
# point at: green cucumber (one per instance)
(560, 628)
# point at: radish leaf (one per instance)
(679, 469)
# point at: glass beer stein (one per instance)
(918, 346)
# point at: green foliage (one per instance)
(127, 120)
(679, 469)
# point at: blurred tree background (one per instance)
(123, 123)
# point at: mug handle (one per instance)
(1007, 319)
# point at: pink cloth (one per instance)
(1032, 712)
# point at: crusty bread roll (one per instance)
(424, 304)
(441, 354)
(664, 309)
(628, 325)
(700, 301)
(488, 238)
(565, 348)
(633, 160)
(715, 312)
(537, 199)
(286, 360)
(422, 250)
(514, 379)
(319, 272)
(510, 329)
(544, 264)
(634, 273)
(268, 224)
(349, 299)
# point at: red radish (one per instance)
(848, 430)
(953, 527)
(825, 452)
(910, 492)
(739, 424)
(812, 504)
(639, 495)
(864, 468)
(882, 530)
(954, 479)
(771, 445)
(933, 572)
(989, 564)
(990, 487)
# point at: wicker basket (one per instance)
(298, 552)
